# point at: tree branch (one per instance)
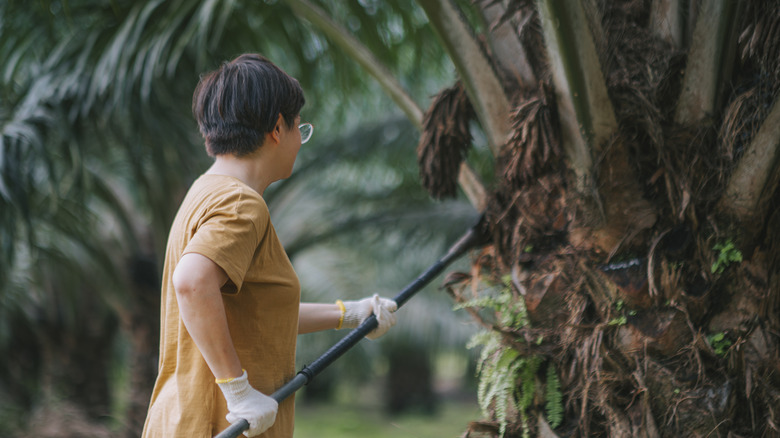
(752, 178)
(482, 85)
(506, 44)
(586, 113)
(362, 55)
(709, 60)
(667, 21)
(469, 181)
(472, 187)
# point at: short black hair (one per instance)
(240, 102)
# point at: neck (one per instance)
(248, 169)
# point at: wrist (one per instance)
(235, 390)
(343, 310)
(230, 379)
(354, 313)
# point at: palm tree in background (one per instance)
(98, 146)
(631, 285)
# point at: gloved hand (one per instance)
(245, 402)
(355, 312)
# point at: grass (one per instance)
(356, 408)
(347, 421)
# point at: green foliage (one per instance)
(504, 374)
(527, 381)
(499, 368)
(97, 144)
(720, 343)
(553, 397)
(727, 254)
(510, 310)
(351, 418)
(620, 320)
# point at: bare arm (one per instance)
(314, 317)
(197, 281)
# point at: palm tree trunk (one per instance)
(409, 386)
(590, 128)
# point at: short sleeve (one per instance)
(230, 232)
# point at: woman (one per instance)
(231, 306)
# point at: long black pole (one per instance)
(474, 237)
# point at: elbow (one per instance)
(195, 277)
(184, 285)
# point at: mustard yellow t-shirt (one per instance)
(228, 222)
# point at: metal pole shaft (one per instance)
(473, 237)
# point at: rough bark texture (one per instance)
(666, 323)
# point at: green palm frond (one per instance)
(97, 146)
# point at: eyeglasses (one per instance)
(306, 130)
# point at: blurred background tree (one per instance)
(98, 146)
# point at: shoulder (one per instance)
(227, 192)
(221, 202)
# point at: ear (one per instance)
(276, 133)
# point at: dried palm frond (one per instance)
(534, 146)
(445, 141)
(642, 73)
(534, 217)
(760, 38)
(741, 122)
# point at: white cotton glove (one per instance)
(355, 312)
(245, 402)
